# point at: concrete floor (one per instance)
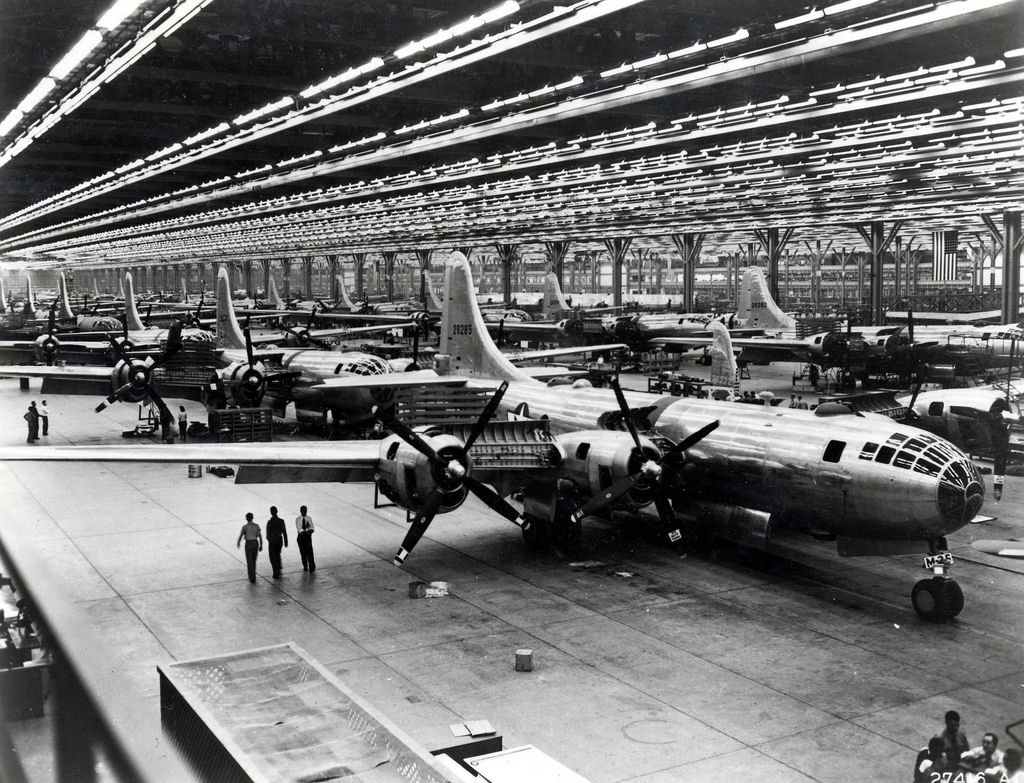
(649, 667)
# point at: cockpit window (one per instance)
(915, 444)
(834, 450)
(904, 460)
(927, 467)
(868, 452)
(885, 454)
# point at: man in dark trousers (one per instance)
(304, 538)
(32, 417)
(276, 534)
(253, 544)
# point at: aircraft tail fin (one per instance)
(184, 290)
(120, 290)
(229, 333)
(464, 337)
(3, 297)
(95, 289)
(272, 295)
(554, 303)
(343, 292)
(756, 308)
(30, 299)
(724, 370)
(64, 304)
(131, 312)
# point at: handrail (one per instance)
(93, 709)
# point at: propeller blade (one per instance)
(312, 315)
(604, 498)
(149, 312)
(485, 415)
(419, 525)
(51, 325)
(405, 433)
(119, 351)
(495, 501)
(114, 397)
(501, 332)
(248, 346)
(692, 440)
(627, 416)
(922, 377)
(668, 518)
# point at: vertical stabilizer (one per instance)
(272, 295)
(756, 308)
(229, 333)
(343, 292)
(63, 303)
(131, 313)
(432, 301)
(3, 298)
(95, 289)
(725, 373)
(464, 336)
(30, 299)
(184, 290)
(120, 289)
(554, 303)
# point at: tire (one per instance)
(937, 600)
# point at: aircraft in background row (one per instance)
(709, 468)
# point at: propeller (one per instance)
(303, 337)
(149, 312)
(415, 352)
(659, 474)
(139, 374)
(49, 346)
(450, 468)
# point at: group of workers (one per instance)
(949, 757)
(277, 536)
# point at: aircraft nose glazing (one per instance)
(961, 493)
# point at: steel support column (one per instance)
(557, 251)
(359, 259)
(773, 243)
(817, 256)
(423, 257)
(506, 255)
(1011, 266)
(390, 256)
(689, 245)
(878, 241)
(307, 277)
(617, 249)
(286, 278)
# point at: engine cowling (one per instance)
(134, 376)
(244, 383)
(46, 348)
(407, 477)
(596, 459)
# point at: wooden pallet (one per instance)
(242, 425)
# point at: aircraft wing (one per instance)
(392, 380)
(28, 345)
(553, 371)
(347, 330)
(527, 356)
(393, 318)
(72, 373)
(259, 462)
(767, 349)
(516, 327)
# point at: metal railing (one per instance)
(95, 716)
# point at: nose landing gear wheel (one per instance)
(937, 600)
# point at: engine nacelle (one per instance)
(739, 524)
(406, 477)
(46, 348)
(596, 459)
(244, 383)
(134, 376)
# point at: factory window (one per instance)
(834, 450)
(582, 450)
(935, 409)
(868, 451)
(885, 454)
(904, 460)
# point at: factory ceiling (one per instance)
(204, 129)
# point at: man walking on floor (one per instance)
(32, 417)
(44, 417)
(304, 538)
(253, 544)
(276, 534)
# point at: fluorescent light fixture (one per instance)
(499, 12)
(38, 93)
(575, 81)
(998, 65)
(76, 54)
(268, 109)
(697, 47)
(826, 90)
(207, 133)
(967, 62)
(795, 20)
(1014, 53)
(165, 151)
(624, 68)
(408, 50)
(658, 58)
(739, 35)
(849, 5)
(117, 13)
(8, 122)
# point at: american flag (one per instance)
(944, 245)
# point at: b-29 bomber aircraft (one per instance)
(710, 468)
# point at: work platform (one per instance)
(648, 667)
